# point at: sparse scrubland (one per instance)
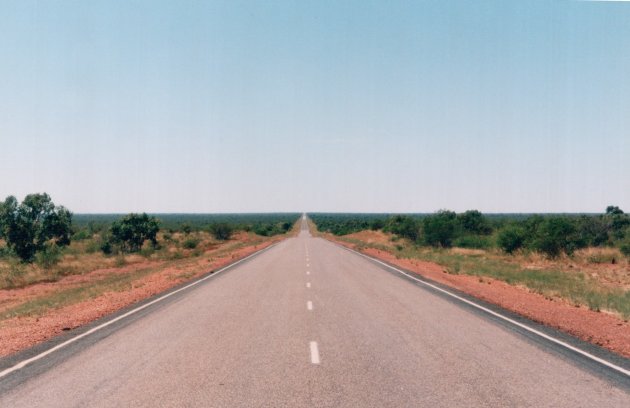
(59, 270)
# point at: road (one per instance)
(309, 324)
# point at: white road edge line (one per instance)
(24, 363)
(502, 317)
(309, 305)
(314, 353)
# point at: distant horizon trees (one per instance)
(551, 235)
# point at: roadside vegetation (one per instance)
(581, 258)
(43, 242)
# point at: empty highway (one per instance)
(309, 324)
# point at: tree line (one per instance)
(37, 228)
(551, 235)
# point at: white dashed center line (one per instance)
(308, 284)
(314, 353)
(309, 305)
(308, 272)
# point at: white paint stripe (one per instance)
(307, 264)
(308, 284)
(314, 353)
(24, 363)
(309, 305)
(308, 272)
(502, 317)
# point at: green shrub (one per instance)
(403, 226)
(556, 235)
(107, 247)
(221, 231)
(472, 241)
(511, 238)
(191, 243)
(81, 235)
(49, 256)
(27, 227)
(439, 229)
(625, 247)
(131, 231)
(473, 222)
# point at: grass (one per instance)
(574, 285)
(59, 299)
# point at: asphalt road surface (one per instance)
(309, 324)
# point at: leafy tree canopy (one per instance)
(131, 231)
(29, 226)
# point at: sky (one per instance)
(342, 106)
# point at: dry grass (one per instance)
(78, 259)
(95, 274)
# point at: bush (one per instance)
(439, 229)
(221, 231)
(107, 248)
(131, 232)
(473, 222)
(28, 227)
(511, 238)
(191, 243)
(49, 256)
(625, 247)
(404, 226)
(81, 235)
(556, 235)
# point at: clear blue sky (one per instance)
(118, 106)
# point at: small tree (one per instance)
(131, 231)
(473, 222)
(617, 220)
(511, 238)
(557, 235)
(29, 226)
(221, 231)
(404, 226)
(439, 229)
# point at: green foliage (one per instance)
(107, 247)
(556, 235)
(473, 241)
(617, 221)
(49, 256)
(81, 235)
(439, 229)
(272, 223)
(29, 226)
(473, 222)
(221, 231)
(191, 243)
(344, 224)
(511, 238)
(130, 232)
(404, 226)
